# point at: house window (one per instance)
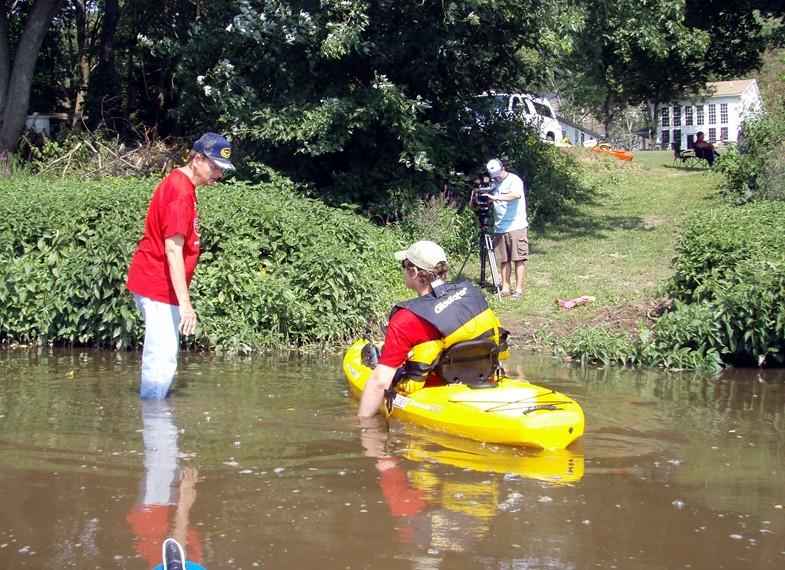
(677, 136)
(712, 114)
(723, 133)
(688, 117)
(677, 116)
(666, 117)
(666, 139)
(712, 134)
(699, 115)
(723, 113)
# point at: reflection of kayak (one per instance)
(608, 149)
(508, 411)
(556, 466)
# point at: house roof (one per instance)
(727, 88)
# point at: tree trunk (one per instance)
(652, 122)
(84, 59)
(609, 109)
(102, 91)
(5, 57)
(17, 95)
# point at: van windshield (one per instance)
(543, 110)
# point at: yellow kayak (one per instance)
(509, 411)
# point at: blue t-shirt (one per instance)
(509, 216)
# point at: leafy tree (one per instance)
(631, 52)
(628, 52)
(360, 99)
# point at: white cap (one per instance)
(424, 254)
(494, 167)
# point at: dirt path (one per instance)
(625, 318)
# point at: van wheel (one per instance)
(550, 138)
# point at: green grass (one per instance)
(619, 246)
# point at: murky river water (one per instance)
(259, 463)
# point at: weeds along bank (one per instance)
(277, 269)
(727, 299)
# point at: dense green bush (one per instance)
(755, 168)
(717, 244)
(64, 249)
(733, 260)
(277, 268)
(729, 299)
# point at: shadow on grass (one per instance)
(574, 223)
(587, 216)
(685, 168)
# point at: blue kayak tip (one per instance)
(188, 566)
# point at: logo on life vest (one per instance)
(450, 300)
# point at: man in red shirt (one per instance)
(704, 149)
(164, 263)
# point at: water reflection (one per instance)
(433, 514)
(440, 510)
(695, 463)
(167, 492)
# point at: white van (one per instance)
(530, 108)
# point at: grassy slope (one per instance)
(618, 248)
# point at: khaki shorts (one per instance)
(512, 246)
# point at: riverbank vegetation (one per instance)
(354, 129)
(277, 268)
(280, 269)
(724, 304)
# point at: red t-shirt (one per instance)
(405, 331)
(173, 210)
(151, 526)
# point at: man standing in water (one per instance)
(164, 263)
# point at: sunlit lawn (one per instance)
(619, 246)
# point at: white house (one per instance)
(719, 114)
(575, 133)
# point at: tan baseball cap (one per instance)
(424, 254)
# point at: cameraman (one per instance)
(510, 225)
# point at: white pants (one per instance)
(161, 345)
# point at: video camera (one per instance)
(480, 202)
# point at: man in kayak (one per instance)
(442, 315)
(164, 262)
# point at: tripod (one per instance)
(486, 255)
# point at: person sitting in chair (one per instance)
(704, 149)
(419, 330)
